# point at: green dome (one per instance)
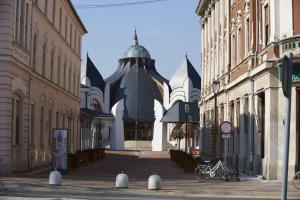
(136, 51)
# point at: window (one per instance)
(50, 126)
(78, 79)
(66, 28)
(26, 25)
(46, 7)
(247, 43)
(52, 63)
(74, 83)
(233, 51)
(261, 122)
(53, 11)
(239, 45)
(32, 133)
(79, 44)
(225, 52)
(70, 77)
(266, 24)
(57, 120)
(22, 23)
(18, 2)
(231, 119)
(65, 74)
(60, 19)
(17, 119)
(238, 117)
(71, 34)
(34, 51)
(246, 114)
(58, 69)
(64, 121)
(21, 31)
(75, 44)
(42, 126)
(44, 60)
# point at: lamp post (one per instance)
(186, 110)
(216, 89)
(190, 120)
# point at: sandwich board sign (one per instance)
(60, 149)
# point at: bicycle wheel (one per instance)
(296, 180)
(201, 172)
(225, 172)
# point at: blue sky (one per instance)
(168, 29)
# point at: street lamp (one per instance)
(216, 89)
(186, 110)
(190, 120)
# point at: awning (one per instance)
(95, 114)
(177, 114)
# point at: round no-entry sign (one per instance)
(226, 127)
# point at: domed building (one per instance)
(137, 97)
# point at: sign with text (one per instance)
(60, 149)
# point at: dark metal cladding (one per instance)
(95, 114)
(93, 75)
(138, 83)
(176, 114)
(186, 70)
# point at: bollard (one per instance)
(55, 178)
(122, 180)
(154, 182)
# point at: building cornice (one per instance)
(77, 16)
(202, 6)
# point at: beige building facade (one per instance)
(242, 45)
(40, 48)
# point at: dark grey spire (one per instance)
(135, 39)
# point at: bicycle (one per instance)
(296, 180)
(204, 171)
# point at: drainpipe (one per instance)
(29, 99)
(252, 150)
(29, 130)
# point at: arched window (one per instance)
(17, 110)
(95, 105)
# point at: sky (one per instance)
(167, 29)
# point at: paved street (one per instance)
(97, 181)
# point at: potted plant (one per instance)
(72, 161)
(190, 163)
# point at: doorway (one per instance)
(138, 135)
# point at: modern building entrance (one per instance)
(138, 135)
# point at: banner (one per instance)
(60, 149)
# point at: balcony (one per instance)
(289, 45)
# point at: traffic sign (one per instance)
(287, 65)
(226, 127)
(226, 136)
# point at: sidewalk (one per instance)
(99, 179)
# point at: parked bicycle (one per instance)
(204, 171)
(296, 180)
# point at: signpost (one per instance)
(287, 68)
(226, 130)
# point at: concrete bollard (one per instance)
(154, 182)
(122, 180)
(55, 178)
